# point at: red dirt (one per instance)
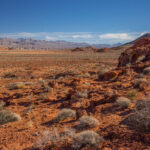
(67, 73)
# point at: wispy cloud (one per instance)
(22, 35)
(49, 38)
(82, 36)
(118, 36)
(89, 37)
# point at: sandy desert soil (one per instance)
(51, 80)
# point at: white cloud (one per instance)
(25, 34)
(49, 38)
(116, 36)
(82, 36)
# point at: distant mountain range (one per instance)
(22, 43)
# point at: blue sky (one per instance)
(92, 21)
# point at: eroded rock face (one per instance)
(89, 48)
(132, 55)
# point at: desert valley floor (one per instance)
(38, 84)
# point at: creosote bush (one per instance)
(64, 114)
(82, 94)
(109, 94)
(17, 85)
(53, 138)
(2, 105)
(7, 116)
(9, 75)
(43, 96)
(132, 94)
(140, 120)
(140, 81)
(123, 102)
(86, 139)
(87, 122)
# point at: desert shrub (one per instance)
(2, 105)
(86, 139)
(8, 75)
(132, 94)
(53, 137)
(146, 70)
(17, 85)
(109, 94)
(102, 71)
(141, 118)
(7, 116)
(82, 94)
(117, 83)
(64, 114)
(43, 96)
(123, 102)
(42, 140)
(48, 89)
(141, 83)
(87, 122)
(87, 83)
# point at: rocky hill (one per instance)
(141, 37)
(42, 44)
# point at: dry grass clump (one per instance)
(2, 105)
(17, 85)
(141, 83)
(50, 139)
(86, 139)
(82, 94)
(141, 118)
(87, 122)
(43, 96)
(132, 94)
(123, 102)
(64, 114)
(146, 70)
(109, 94)
(7, 116)
(8, 75)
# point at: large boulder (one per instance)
(110, 75)
(140, 51)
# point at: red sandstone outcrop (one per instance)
(141, 49)
(89, 48)
(105, 49)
